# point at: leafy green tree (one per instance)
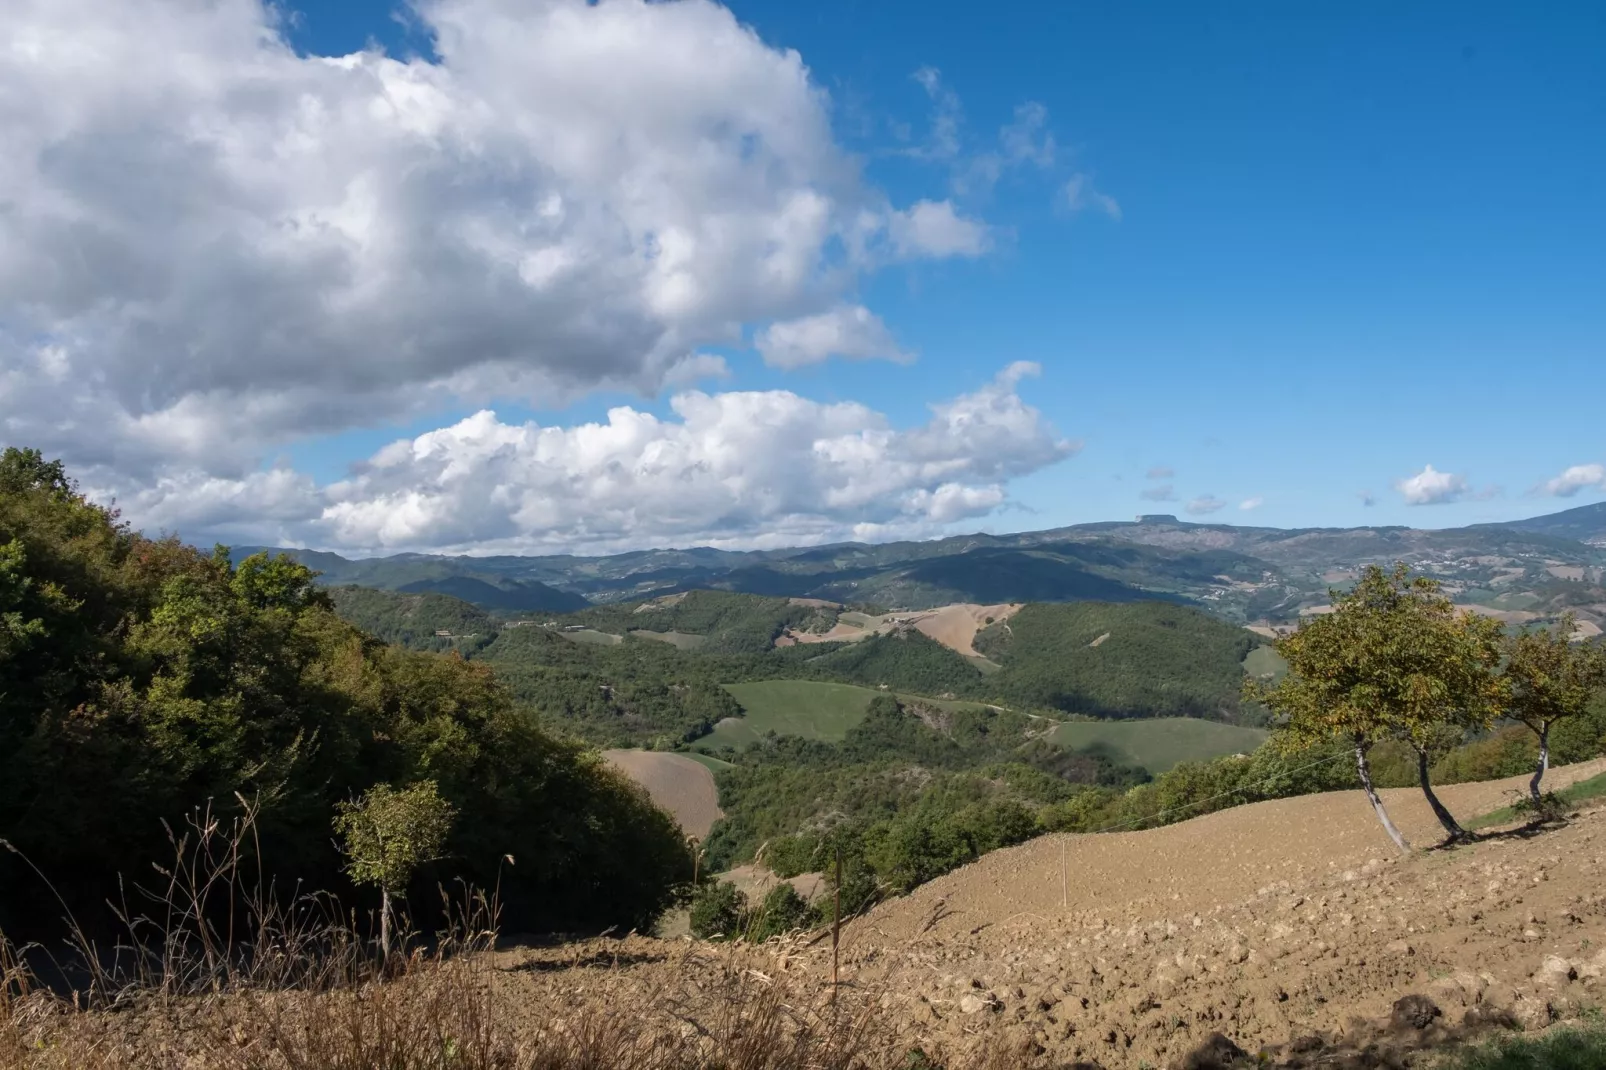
(387, 834)
(26, 469)
(1393, 659)
(1551, 679)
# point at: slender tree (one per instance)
(1393, 659)
(1551, 678)
(1440, 672)
(387, 834)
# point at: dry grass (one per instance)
(216, 972)
(451, 1013)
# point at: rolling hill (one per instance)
(1243, 574)
(1144, 659)
(1586, 523)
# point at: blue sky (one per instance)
(1354, 240)
(1308, 253)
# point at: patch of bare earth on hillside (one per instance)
(1268, 923)
(756, 882)
(678, 784)
(954, 626)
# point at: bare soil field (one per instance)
(1279, 922)
(954, 626)
(680, 785)
(1509, 616)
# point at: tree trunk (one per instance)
(1544, 762)
(1452, 828)
(384, 925)
(1377, 803)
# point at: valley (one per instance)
(798, 718)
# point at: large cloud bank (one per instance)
(742, 468)
(211, 244)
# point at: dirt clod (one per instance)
(1414, 1012)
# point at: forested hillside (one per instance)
(140, 679)
(1143, 659)
(905, 660)
(605, 673)
(916, 789)
(416, 620)
(640, 692)
(729, 623)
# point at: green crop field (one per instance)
(806, 708)
(679, 640)
(1264, 661)
(597, 638)
(1160, 743)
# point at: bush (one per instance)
(1578, 739)
(717, 911)
(1511, 751)
(781, 912)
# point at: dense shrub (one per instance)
(782, 911)
(717, 910)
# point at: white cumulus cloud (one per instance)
(221, 244)
(1251, 503)
(1574, 479)
(1431, 487)
(1204, 505)
(851, 331)
(741, 468)
(936, 229)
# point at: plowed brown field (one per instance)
(1265, 922)
(680, 785)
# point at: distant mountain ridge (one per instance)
(1587, 523)
(1527, 568)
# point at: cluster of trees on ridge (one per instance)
(1396, 660)
(141, 679)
